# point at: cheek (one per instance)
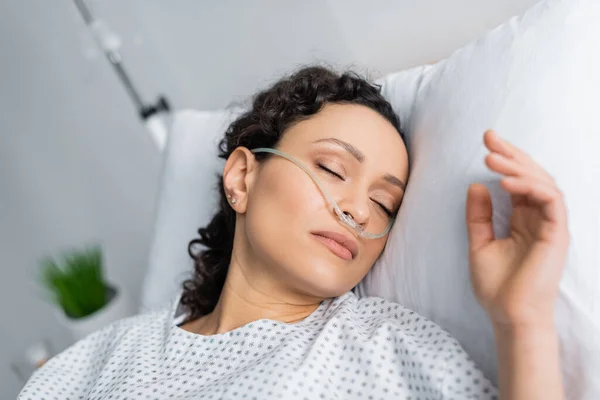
(284, 194)
(281, 205)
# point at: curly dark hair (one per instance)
(290, 100)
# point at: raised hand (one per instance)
(516, 278)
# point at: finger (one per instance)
(547, 197)
(496, 144)
(509, 167)
(479, 217)
(500, 146)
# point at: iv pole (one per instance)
(151, 114)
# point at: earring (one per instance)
(231, 199)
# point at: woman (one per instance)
(315, 173)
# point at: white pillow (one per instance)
(536, 81)
(187, 200)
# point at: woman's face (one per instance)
(288, 228)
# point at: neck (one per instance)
(248, 296)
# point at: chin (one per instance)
(325, 278)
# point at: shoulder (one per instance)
(375, 316)
(102, 342)
(83, 362)
(376, 311)
(419, 342)
(408, 326)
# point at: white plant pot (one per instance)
(117, 308)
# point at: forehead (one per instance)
(358, 125)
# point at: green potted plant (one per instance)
(77, 287)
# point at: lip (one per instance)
(339, 240)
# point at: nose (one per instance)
(356, 207)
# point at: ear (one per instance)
(238, 175)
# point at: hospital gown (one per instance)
(348, 348)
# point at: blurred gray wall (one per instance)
(77, 167)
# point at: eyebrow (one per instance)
(356, 153)
(395, 181)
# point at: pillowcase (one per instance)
(536, 81)
(187, 200)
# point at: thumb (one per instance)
(479, 217)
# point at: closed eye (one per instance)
(324, 168)
(385, 209)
